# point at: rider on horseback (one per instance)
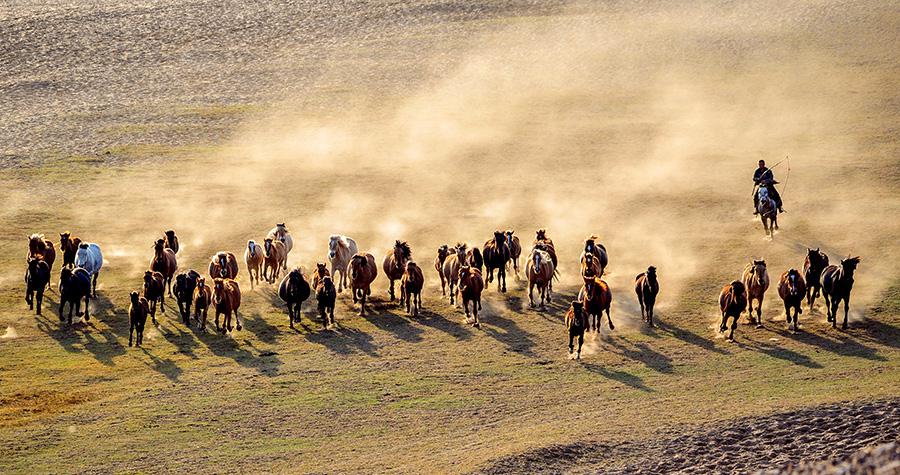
(763, 177)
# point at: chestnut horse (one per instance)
(155, 291)
(575, 323)
(597, 298)
(792, 290)
(647, 287)
(226, 298)
(223, 265)
(294, 290)
(326, 294)
(816, 262)
(362, 270)
(394, 265)
(281, 233)
(756, 282)
(442, 254)
(515, 249)
(202, 301)
(164, 262)
(450, 270)
(591, 246)
(411, 287)
(253, 257)
(69, 246)
(37, 277)
(732, 302)
(74, 286)
(470, 287)
(544, 243)
(340, 250)
(171, 241)
(539, 271)
(275, 257)
(496, 255)
(837, 283)
(137, 317)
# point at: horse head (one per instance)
(651, 273)
(443, 252)
(509, 237)
(251, 248)
(218, 289)
(321, 269)
(578, 313)
(461, 252)
(737, 287)
(499, 238)
(410, 267)
(267, 247)
(295, 276)
(464, 273)
(223, 264)
(333, 243)
(536, 257)
(849, 265)
(540, 234)
(758, 270)
(148, 278)
(401, 252)
(158, 246)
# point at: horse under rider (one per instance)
(763, 176)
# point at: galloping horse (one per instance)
(792, 289)
(69, 246)
(326, 294)
(411, 287)
(756, 281)
(597, 298)
(394, 264)
(646, 286)
(74, 286)
(732, 302)
(89, 258)
(137, 317)
(816, 262)
(544, 243)
(768, 211)
(171, 241)
(591, 246)
(515, 249)
(40, 248)
(185, 284)
(253, 257)
(320, 273)
(539, 270)
(340, 250)
(575, 323)
(452, 263)
(37, 277)
(155, 291)
(496, 255)
(294, 290)
(223, 265)
(202, 301)
(442, 254)
(275, 257)
(470, 287)
(474, 258)
(837, 283)
(281, 233)
(362, 270)
(226, 297)
(164, 262)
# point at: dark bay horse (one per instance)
(294, 290)
(732, 303)
(442, 254)
(598, 250)
(362, 270)
(496, 255)
(471, 285)
(155, 291)
(137, 317)
(816, 261)
(171, 241)
(36, 279)
(69, 246)
(326, 294)
(164, 262)
(226, 299)
(74, 286)
(41, 249)
(185, 284)
(768, 211)
(411, 287)
(837, 283)
(646, 286)
(575, 323)
(515, 249)
(597, 298)
(394, 265)
(792, 290)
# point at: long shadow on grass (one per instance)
(428, 318)
(623, 377)
(688, 336)
(103, 349)
(641, 352)
(343, 340)
(843, 343)
(514, 337)
(264, 362)
(388, 316)
(779, 352)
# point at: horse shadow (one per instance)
(843, 344)
(264, 362)
(166, 367)
(343, 340)
(264, 331)
(390, 317)
(103, 349)
(688, 336)
(513, 337)
(641, 352)
(437, 321)
(779, 352)
(622, 377)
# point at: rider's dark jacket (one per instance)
(763, 175)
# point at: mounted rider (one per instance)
(764, 177)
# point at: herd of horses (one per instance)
(464, 271)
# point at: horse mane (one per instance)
(404, 248)
(83, 245)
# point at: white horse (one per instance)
(768, 211)
(281, 233)
(89, 258)
(340, 250)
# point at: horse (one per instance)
(155, 291)
(294, 290)
(411, 287)
(89, 258)
(340, 250)
(253, 257)
(597, 298)
(647, 288)
(202, 301)
(320, 273)
(450, 270)
(281, 233)
(732, 302)
(816, 261)
(442, 254)
(592, 247)
(544, 243)
(539, 271)
(768, 211)
(137, 317)
(69, 246)
(274, 257)
(37, 277)
(362, 270)
(515, 249)
(223, 265)
(185, 284)
(590, 267)
(40, 248)
(171, 241)
(474, 258)
(837, 282)
(226, 298)
(496, 255)
(74, 285)
(470, 287)
(756, 282)
(792, 290)
(164, 262)
(326, 294)
(394, 265)
(575, 323)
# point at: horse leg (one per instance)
(443, 285)
(40, 299)
(452, 293)
(362, 305)
(580, 343)
(531, 294)
(846, 312)
(237, 318)
(391, 290)
(571, 340)
(724, 324)
(290, 307)
(759, 321)
(733, 326)
(475, 305)
(609, 319)
(827, 307)
(501, 274)
(650, 313)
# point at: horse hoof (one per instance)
(239, 328)
(759, 325)
(611, 327)
(844, 327)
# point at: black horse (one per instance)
(294, 290)
(74, 285)
(36, 279)
(647, 287)
(185, 283)
(816, 262)
(496, 255)
(837, 282)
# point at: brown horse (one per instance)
(598, 250)
(411, 287)
(223, 265)
(647, 287)
(515, 249)
(164, 262)
(452, 263)
(756, 282)
(470, 287)
(394, 265)
(137, 317)
(155, 291)
(362, 270)
(575, 323)
(496, 255)
(202, 301)
(544, 243)
(226, 298)
(442, 254)
(732, 302)
(326, 294)
(792, 290)
(590, 267)
(69, 246)
(539, 271)
(41, 249)
(816, 262)
(837, 283)
(474, 258)
(320, 273)
(171, 241)
(253, 257)
(597, 299)
(275, 256)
